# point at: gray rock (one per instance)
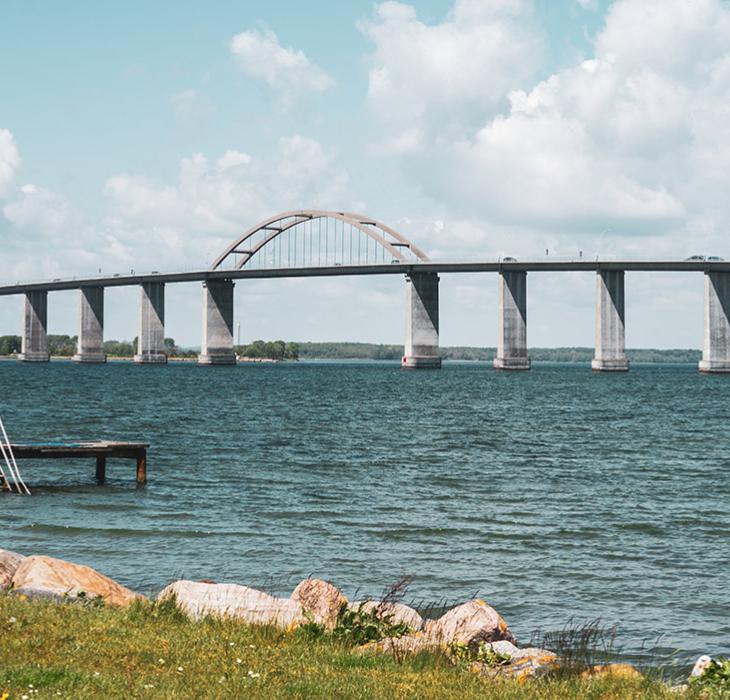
(470, 623)
(399, 613)
(46, 577)
(9, 563)
(198, 600)
(320, 600)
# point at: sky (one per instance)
(147, 136)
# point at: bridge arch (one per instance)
(261, 245)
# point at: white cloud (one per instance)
(196, 218)
(635, 140)
(591, 5)
(286, 70)
(429, 81)
(37, 210)
(9, 161)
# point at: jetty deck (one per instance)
(100, 449)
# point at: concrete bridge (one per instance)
(315, 243)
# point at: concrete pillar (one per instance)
(151, 337)
(217, 346)
(34, 340)
(421, 349)
(610, 328)
(512, 326)
(91, 330)
(716, 349)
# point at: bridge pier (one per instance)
(512, 325)
(716, 349)
(34, 339)
(610, 355)
(421, 350)
(151, 338)
(91, 330)
(217, 346)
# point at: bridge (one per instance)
(318, 243)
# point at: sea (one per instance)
(559, 496)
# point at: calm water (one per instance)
(554, 493)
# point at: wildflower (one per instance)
(180, 669)
(148, 686)
(231, 644)
(251, 646)
(96, 674)
(23, 697)
(251, 674)
(5, 696)
(160, 661)
(12, 621)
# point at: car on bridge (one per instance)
(704, 258)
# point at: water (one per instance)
(554, 493)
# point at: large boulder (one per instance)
(46, 577)
(397, 613)
(320, 600)
(197, 600)
(470, 623)
(9, 563)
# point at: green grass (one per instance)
(86, 651)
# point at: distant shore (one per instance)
(373, 351)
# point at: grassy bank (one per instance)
(88, 651)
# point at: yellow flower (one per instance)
(5, 695)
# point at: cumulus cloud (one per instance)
(38, 210)
(636, 138)
(9, 161)
(430, 80)
(287, 71)
(214, 199)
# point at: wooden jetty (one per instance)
(101, 449)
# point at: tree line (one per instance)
(65, 346)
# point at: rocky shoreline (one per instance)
(473, 631)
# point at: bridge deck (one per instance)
(101, 449)
(544, 265)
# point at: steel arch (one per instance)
(370, 227)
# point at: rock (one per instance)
(523, 664)
(470, 623)
(197, 600)
(616, 670)
(46, 577)
(399, 646)
(319, 599)
(9, 563)
(399, 613)
(700, 666)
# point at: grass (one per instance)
(83, 650)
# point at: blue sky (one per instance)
(477, 127)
